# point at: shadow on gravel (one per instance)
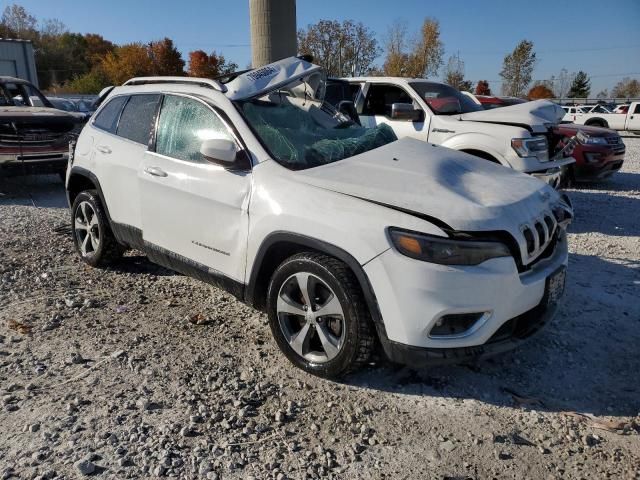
(140, 264)
(619, 182)
(586, 360)
(43, 191)
(617, 221)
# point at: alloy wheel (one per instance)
(87, 229)
(311, 317)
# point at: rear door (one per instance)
(122, 130)
(194, 212)
(375, 109)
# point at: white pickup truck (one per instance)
(519, 136)
(629, 122)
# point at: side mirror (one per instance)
(219, 150)
(406, 111)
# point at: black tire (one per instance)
(358, 341)
(108, 249)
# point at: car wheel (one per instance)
(318, 315)
(92, 235)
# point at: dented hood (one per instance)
(42, 116)
(463, 191)
(268, 78)
(537, 113)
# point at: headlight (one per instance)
(445, 251)
(531, 147)
(588, 140)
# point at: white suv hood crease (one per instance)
(463, 191)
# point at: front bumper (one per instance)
(413, 295)
(46, 161)
(608, 163)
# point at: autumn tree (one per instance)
(396, 62)
(343, 49)
(540, 91)
(580, 87)
(209, 66)
(97, 48)
(626, 88)
(426, 58)
(127, 61)
(517, 69)
(482, 88)
(454, 74)
(16, 22)
(165, 58)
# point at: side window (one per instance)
(184, 124)
(381, 97)
(137, 119)
(107, 119)
(637, 109)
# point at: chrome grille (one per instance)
(538, 234)
(31, 137)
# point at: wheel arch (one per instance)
(481, 154)
(280, 245)
(597, 122)
(82, 179)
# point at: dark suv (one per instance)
(33, 139)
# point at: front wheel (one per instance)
(318, 316)
(92, 235)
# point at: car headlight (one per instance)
(589, 140)
(531, 147)
(445, 251)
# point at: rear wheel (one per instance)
(92, 235)
(318, 316)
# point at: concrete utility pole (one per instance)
(273, 30)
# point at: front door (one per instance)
(194, 212)
(377, 110)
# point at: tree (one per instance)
(540, 91)
(343, 49)
(97, 48)
(581, 86)
(482, 88)
(626, 88)
(517, 69)
(127, 61)
(16, 22)
(209, 66)
(454, 74)
(89, 83)
(561, 84)
(603, 94)
(165, 58)
(426, 58)
(397, 59)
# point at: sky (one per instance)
(600, 37)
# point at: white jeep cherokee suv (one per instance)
(344, 235)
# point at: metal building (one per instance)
(273, 30)
(17, 60)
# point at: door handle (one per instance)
(103, 149)
(155, 171)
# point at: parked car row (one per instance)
(351, 226)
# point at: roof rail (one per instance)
(203, 82)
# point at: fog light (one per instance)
(455, 324)
(592, 157)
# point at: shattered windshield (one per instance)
(301, 131)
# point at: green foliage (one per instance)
(580, 87)
(89, 83)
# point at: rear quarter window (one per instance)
(137, 119)
(107, 118)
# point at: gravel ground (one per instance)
(137, 372)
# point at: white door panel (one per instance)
(198, 211)
(633, 120)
